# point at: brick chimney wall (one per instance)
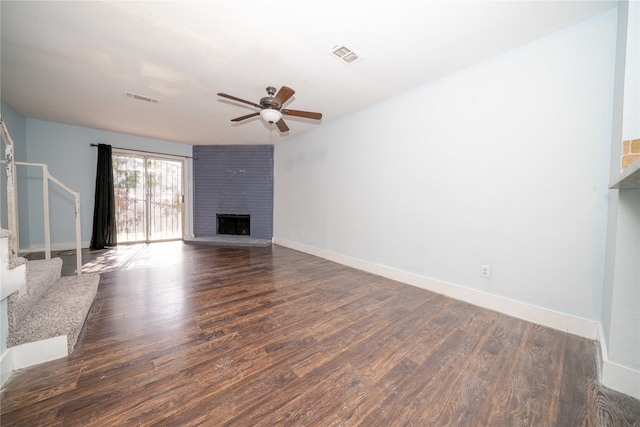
(630, 152)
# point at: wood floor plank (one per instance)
(469, 399)
(579, 369)
(531, 395)
(191, 335)
(435, 373)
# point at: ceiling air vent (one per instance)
(345, 54)
(142, 98)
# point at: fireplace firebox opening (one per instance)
(234, 224)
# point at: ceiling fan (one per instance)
(271, 109)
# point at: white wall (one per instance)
(631, 112)
(620, 336)
(504, 163)
(72, 160)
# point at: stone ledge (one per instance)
(229, 241)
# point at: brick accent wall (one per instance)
(233, 179)
(630, 152)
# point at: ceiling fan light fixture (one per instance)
(270, 108)
(270, 115)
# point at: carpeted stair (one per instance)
(51, 306)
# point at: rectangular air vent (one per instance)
(345, 54)
(142, 98)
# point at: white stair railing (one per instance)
(12, 214)
(12, 206)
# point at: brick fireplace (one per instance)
(235, 183)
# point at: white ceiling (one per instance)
(72, 62)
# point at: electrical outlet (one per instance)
(485, 271)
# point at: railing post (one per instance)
(76, 197)
(78, 239)
(45, 202)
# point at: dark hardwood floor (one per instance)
(184, 335)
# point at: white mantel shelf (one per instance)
(629, 178)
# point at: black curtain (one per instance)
(104, 209)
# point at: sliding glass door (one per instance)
(149, 195)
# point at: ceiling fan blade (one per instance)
(307, 114)
(240, 100)
(248, 116)
(282, 125)
(282, 96)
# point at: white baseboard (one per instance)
(621, 378)
(64, 246)
(30, 354)
(6, 366)
(615, 376)
(556, 320)
(37, 352)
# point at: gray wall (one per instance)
(230, 179)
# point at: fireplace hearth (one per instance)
(234, 224)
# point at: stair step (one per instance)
(41, 274)
(16, 262)
(61, 311)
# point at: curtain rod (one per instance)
(149, 152)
